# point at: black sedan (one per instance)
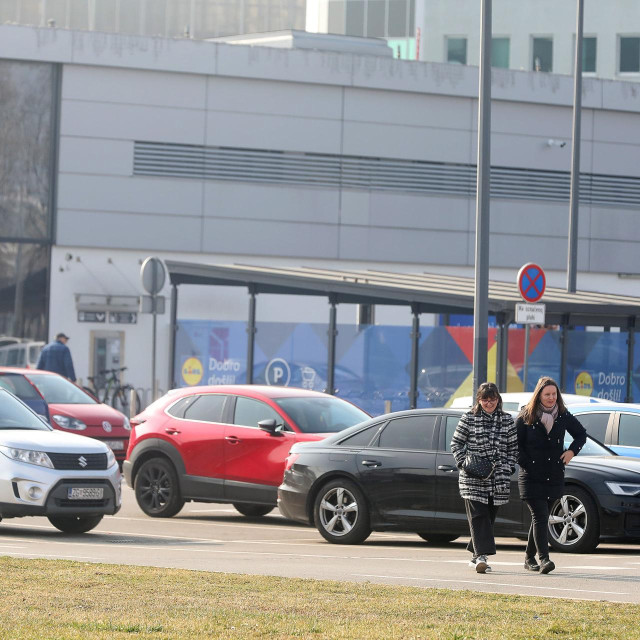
(396, 473)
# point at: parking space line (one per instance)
(493, 584)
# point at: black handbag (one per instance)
(477, 466)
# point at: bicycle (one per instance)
(110, 391)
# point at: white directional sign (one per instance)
(529, 313)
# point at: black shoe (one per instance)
(530, 564)
(546, 566)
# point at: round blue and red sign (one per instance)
(531, 282)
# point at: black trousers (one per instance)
(538, 539)
(481, 518)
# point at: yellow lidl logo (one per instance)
(584, 384)
(192, 371)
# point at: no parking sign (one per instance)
(531, 282)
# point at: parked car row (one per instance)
(321, 459)
(68, 407)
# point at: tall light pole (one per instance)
(574, 201)
(483, 186)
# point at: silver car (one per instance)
(71, 479)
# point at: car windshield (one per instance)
(15, 415)
(321, 415)
(591, 448)
(58, 390)
(19, 386)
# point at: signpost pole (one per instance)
(525, 365)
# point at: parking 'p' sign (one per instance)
(531, 282)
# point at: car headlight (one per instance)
(126, 424)
(26, 455)
(69, 423)
(111, 459)
(623, 488)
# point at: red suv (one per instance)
(225, 444)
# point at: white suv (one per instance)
(71, 479)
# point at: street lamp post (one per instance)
(483, 186)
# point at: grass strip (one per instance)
(68, 600)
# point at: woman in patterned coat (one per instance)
(488, 431)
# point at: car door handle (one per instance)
(372, 463)
(171, 431)
(232, 439)
(446, 467)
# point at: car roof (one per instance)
(26, 370)
(522, 397)
(606, 406)
(254, 390)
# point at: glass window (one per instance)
(336, 17)
(629, 54)
(19, 386)
(398, 19)
(249, 412)
(589, 54)
(355, 18)
(457, 50)
(206, 407)
(595, 424)
(591, 448)
(411, 432)
(177, 410)
(321, 415)
(58, 390)
(451, 424)
(629, 430)
(542, 59)
(360, 439)
(14, 415)
(375, 18)
(500, 52)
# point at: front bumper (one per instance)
(30, 490)
(619, 516)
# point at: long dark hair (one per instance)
(531, 410)
(486, 390)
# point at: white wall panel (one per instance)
(132, 122)
(240, 95)
(270, 202)
(132, 86)
(269, 238)
(147, 233)
(141, 195)
(396, 245)
(273, 132)
(407, 143)
(96, 156)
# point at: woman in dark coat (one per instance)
(487, 431)
(541, 428)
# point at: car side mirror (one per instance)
(270, 426)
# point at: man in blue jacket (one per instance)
(56, 357)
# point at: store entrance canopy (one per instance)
(422, 292)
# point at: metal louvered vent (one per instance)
(380, 174)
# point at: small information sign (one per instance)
(530, 313)
(123, 317)
(92, 316)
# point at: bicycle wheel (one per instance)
(121, 400)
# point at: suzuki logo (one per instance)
(82, 461)
(106, 426)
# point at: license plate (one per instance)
(86, 493)
(116, 445)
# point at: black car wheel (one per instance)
(341, 513)
(573, 522)
(157, 489)
(438, 538)
(252, 510)
(75, 524)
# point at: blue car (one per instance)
(615, 424)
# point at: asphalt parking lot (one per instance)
(213, 537)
